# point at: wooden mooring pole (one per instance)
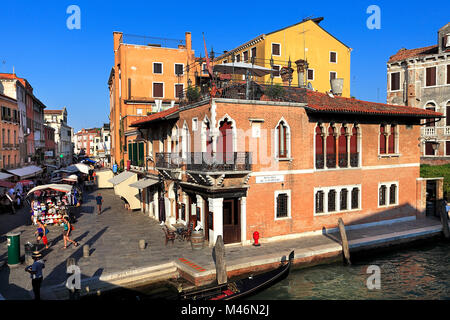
(219, 253)
(345, 248)
(444, 218)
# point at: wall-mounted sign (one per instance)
(270, 179)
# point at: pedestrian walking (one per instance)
(42, 234)
(66, 232)
(99, 200)
(35, 271)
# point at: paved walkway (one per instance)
(114, 241)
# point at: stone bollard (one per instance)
(142, 244)
(86, 251)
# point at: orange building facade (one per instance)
(146, 78)
(9, 130)
(282, 168)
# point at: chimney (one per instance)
(336, 86)
(188, 41)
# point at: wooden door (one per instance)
(231, 221)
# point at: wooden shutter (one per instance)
(431, 76)
(382, 140)
(178, 90)
(429, 151)
(448, 74)
(245, 55)
(275, 49)
(447, 148)
(254, 52)
(395, 81)
(332, 56)
(158, 90)
(447, 119)
(391, 143)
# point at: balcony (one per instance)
(217, 162)
(206, 162)
(344, 159)
(429, 131)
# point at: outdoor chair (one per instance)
(170, 235)
(187, 233)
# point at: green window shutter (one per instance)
(135, 158)
(141, 154)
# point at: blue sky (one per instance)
(71, 67)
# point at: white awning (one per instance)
(144, 183)
(121, 177)
(58, 187)
(4, 176)
(26, 172)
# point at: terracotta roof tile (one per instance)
(155, 116)
(403, 54)
(322, 102)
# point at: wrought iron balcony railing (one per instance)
(204, 161)
(168, 160)
(354, 160)
(210, 162)
(331, 160)
(320, 162)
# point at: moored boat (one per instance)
(243, 287)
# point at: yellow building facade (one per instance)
(326, 56)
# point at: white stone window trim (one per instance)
(271, 49)
(388, 194)
(338, 190)
(288, 141)
(329, 57)
(313, 73)
(396, 142)
(153, 67)
(400, 81)
(153, 89)
(194, 124)
(175, 89)
(175, 69)
(289, 215)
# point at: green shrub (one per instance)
(428, 171)
(193, 94)
(275, 91)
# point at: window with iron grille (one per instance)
(382, 195)
(355, 198)
(319, 201)
(332, 200)
(282, 205)
(310, 74)
(393, 194)
(343, 199)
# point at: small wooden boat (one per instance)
(243, 287)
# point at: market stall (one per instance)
(50, 202)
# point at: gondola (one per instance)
(243, 287)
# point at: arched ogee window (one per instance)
(392, 138)
(331, 148)
(342, 145)
(282, 140)
(319, 148)
(382, 139)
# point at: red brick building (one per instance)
(281, 166)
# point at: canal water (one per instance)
(421, 272)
